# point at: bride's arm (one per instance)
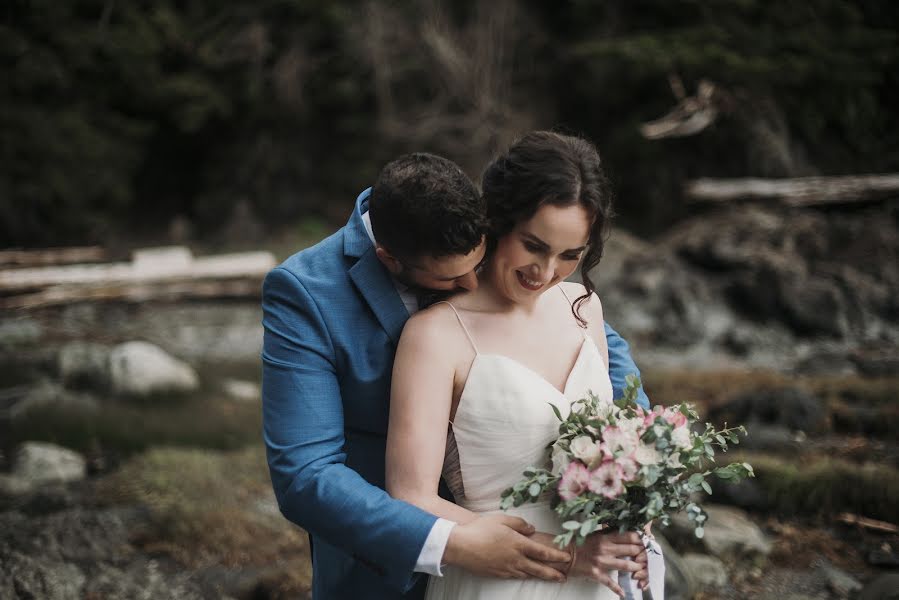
(420, 400)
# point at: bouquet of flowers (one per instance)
(619, 465)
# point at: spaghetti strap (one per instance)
(564, 293)
(462, 323)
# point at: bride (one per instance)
(474, 377)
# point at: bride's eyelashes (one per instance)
(537, 249)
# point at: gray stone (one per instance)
(245, 391)
(39, 463)
(144, 369)
(707, 571)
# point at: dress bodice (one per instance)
(504, 423)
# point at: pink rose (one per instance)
(574, 481)
(606, 480)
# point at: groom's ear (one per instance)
(388, 260)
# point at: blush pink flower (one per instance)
(675, 417)
(574, 481)
(606, 480)
(629, 468)
(650, 417)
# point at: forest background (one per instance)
(117, 118)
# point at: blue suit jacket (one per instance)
(332, 319)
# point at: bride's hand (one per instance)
(604, 552)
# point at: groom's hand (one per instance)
(499, 546)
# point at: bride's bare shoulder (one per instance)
(434, 328)
(575, 290)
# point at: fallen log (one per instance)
(803, 191)
(157, 264)
(136, 292)
(51, 256)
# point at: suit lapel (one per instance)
(370, 277)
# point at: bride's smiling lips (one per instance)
(528, 284)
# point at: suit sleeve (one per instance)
(303, 427)
(621, 365)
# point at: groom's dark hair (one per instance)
(425, 205)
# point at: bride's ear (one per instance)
(388, 260)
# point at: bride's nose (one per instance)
(543, 271)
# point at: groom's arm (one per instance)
(304, 435)
(621, 365)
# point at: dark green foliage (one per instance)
(116, 116)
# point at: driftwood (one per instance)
(51, 256)
(690, 116)
(804, 191)
(169, 273)
(851, 519)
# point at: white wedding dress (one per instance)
(502, 426)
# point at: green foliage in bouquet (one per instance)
(619, 465)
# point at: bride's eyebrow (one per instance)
(533, 238)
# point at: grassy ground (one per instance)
(214, 508)
(198, 465)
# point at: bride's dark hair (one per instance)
(544, 167)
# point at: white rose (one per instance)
(584, 448)
(620, 441)
(560, 460)
(674, 460)
(680, 437)
(630, 425)
(646, 454)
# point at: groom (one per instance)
(333, 315)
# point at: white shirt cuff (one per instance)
(432, 552)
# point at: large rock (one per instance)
(144, 369)
(728, 533)
(821, 274)
(656, 297)
(707, 571)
